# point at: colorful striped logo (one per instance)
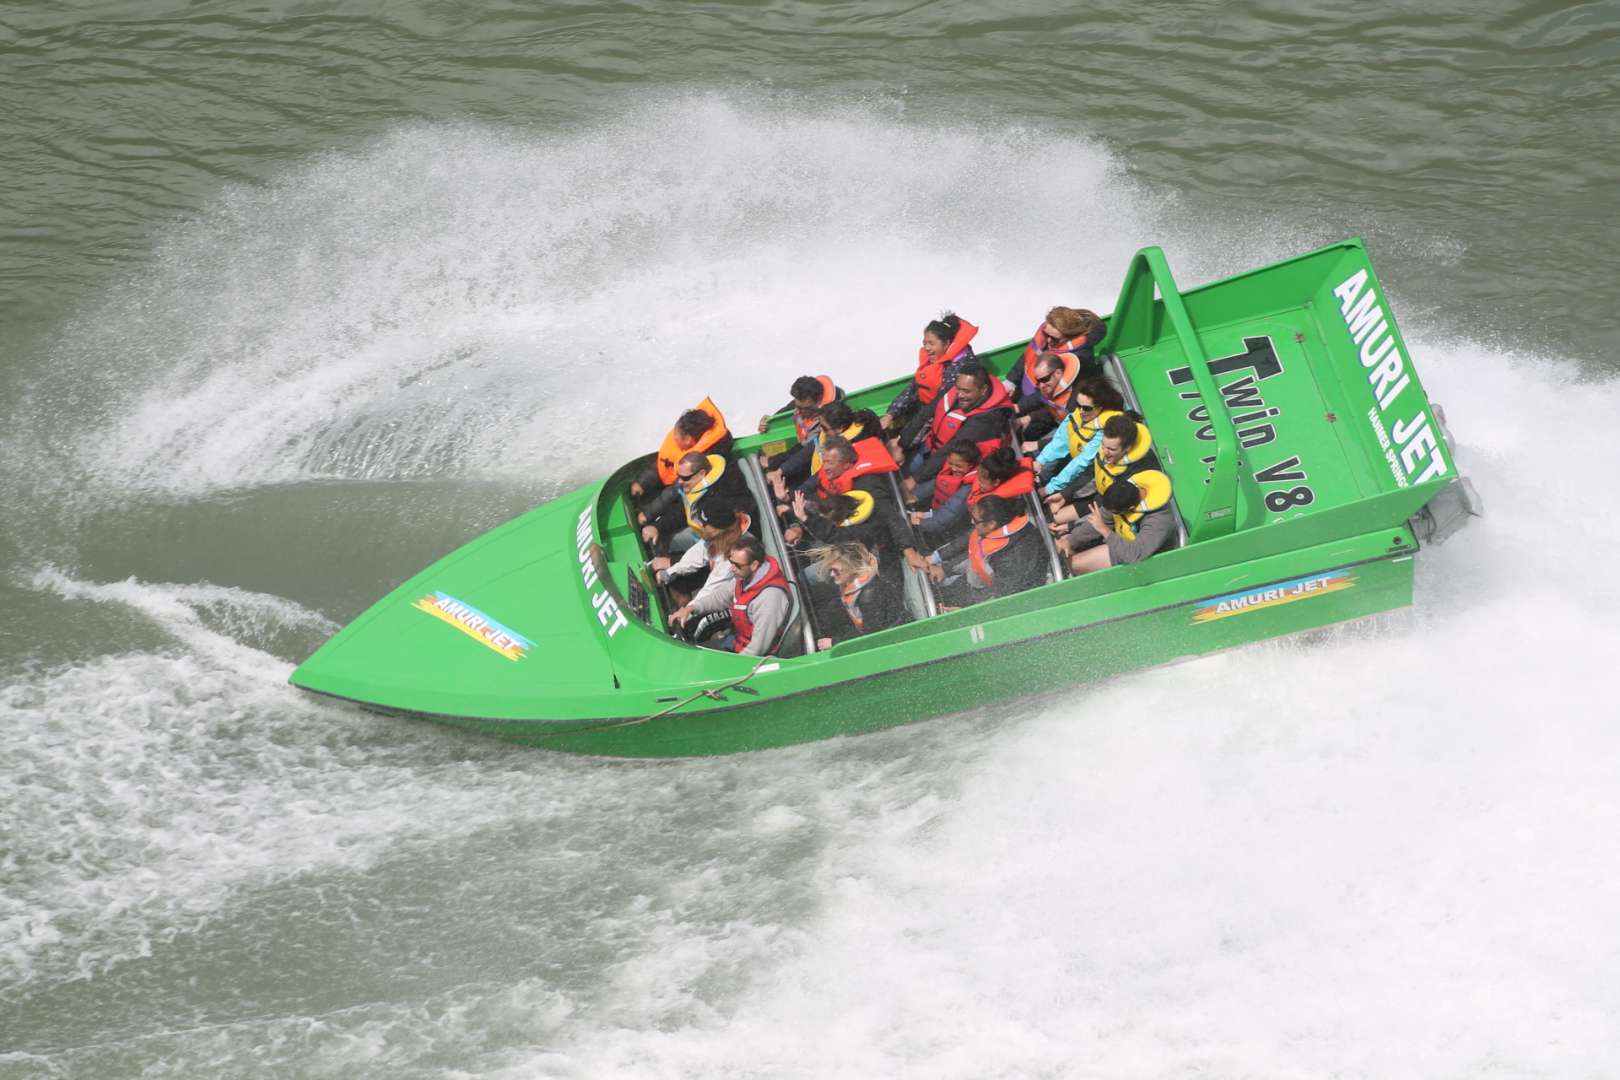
(476, 625)
(1285, 592)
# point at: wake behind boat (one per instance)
(1307, 466)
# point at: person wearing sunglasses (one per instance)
(867, 600)
(698, 476)
(1068, 332)
(1040, 412)
(1068, 454)
(759, 601)
(704, 569)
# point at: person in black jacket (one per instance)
(863, 600)
(976, 409)
(693, 430)
(1002, 555)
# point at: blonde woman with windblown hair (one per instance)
(868, 601)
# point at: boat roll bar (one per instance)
(924, 584)
(773, 538)
(1037, 508)
(1214, 512)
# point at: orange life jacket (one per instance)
(981, 547)
(947, 483)
(1058, 404)
(850, 594)
(1016, 486)
(931, 372)
(829, 394)
(872, 458)
(1038, 343)
(670, 452)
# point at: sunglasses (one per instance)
(683, 477)
(1086, 406)
(735, 565)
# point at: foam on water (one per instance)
(466, 302)
(1385, 850)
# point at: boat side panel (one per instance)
(1068, 658)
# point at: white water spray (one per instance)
(1387, 850)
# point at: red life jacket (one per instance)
(829, 394)
(948, 419)
(1016, 486)
(671, 452)
(1038, 343)
(872, 458)
(931, 372)
(741, 624)
(980, 548)
(946, 484)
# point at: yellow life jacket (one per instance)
(1081, 431)
(689, 498)
(821, 439)
(1105, 474)
(864, 505)
(1155, 488)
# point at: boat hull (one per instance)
(1066, 658)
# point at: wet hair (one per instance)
(967, 451)
(839, 447)
(945, 327)
(833, 507)
(695, 457)
(1074, 322)
(854, 559)
(1122, 428)
(997, 510)
(807, 388)
(1121, 497)
(1104, 393)
(837, 415)
(694, 422)
(976, 372)
(1002, 464)
(1050, 360)
(750, 546)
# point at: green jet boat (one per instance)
(1309, 468)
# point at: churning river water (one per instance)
(298, 296)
